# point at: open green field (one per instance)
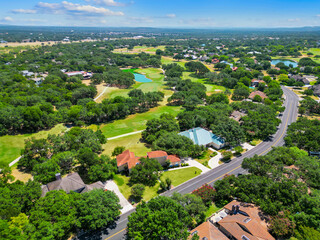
(211, 88)
(168, 60)
(11, 145)
(177, 177)
(134, 122)
(157, 84)
(131, 142)
(211, 210)
(139, 49)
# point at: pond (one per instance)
(286, 62)
(141, 78)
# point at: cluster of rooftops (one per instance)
(237, 220)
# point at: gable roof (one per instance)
(201, 136)
(207, 230)
(173, 159)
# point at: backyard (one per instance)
(11, 145)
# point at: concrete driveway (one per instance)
(112, 186)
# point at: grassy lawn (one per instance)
(169, 60)
(157, 84)
(11, 145)
(134, 122)
(205, 157)
(211, 210)
(255, 142)
(178, 177)
(131, 142)
(211, 88)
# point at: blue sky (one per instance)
(162, 13)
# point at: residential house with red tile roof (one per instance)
(255, 82)
(207, 231)
(244, 221)
(128, 160)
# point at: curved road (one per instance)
(290, 115)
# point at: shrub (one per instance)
(206, 192)
(227, 155)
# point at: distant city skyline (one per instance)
(164, 13)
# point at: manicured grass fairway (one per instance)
(131, 142)
(11, 145)
(177, 177)
(134, 122)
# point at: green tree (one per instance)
(137, 191)
(97, 209)
(160, 218)
(118, 150)
(147, 172)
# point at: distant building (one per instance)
(37, 80)
(86, 75)
(261, 94)
(26, 73)
(215, 60)
(236, 115)
(256, 82)
(316, 89)
(203, 137)
(72, 182)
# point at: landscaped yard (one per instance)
(134, 122)
(139, 49)
(177, 177)
(131, 142)
(11, 145)
(205, 157)
(211, 210)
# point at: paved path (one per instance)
(112, 186)
(194, 163)
(124, 135)
(101, 93)
(290, 115)
(214, 162)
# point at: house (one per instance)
(26, 73)
(316, 89)
(203, 137)
(72, 182)
(128, 160)
(207, 231)
(162, 157)
(261, 94)
(236, 115)
(37, 80)
(244, 221)
(86, 75)
(234, 68)
(255, 82)
(215, 60)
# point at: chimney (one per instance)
(58, 176)
(237, 208)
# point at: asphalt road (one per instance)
(290, 115)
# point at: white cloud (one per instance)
(106, 3)
(88, 9)
(171, 15)
(27, 11)
(318, 15)
(7, 19)
(74, 9)
(294, 20)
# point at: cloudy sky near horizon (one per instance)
(162, 13)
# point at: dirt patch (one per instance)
(24, 177)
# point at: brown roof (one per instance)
(173, 159)
(209, 231)
(261, 94)
(253, 223)
(236, 115)
(157, 154)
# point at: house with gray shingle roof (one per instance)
(72, 182)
